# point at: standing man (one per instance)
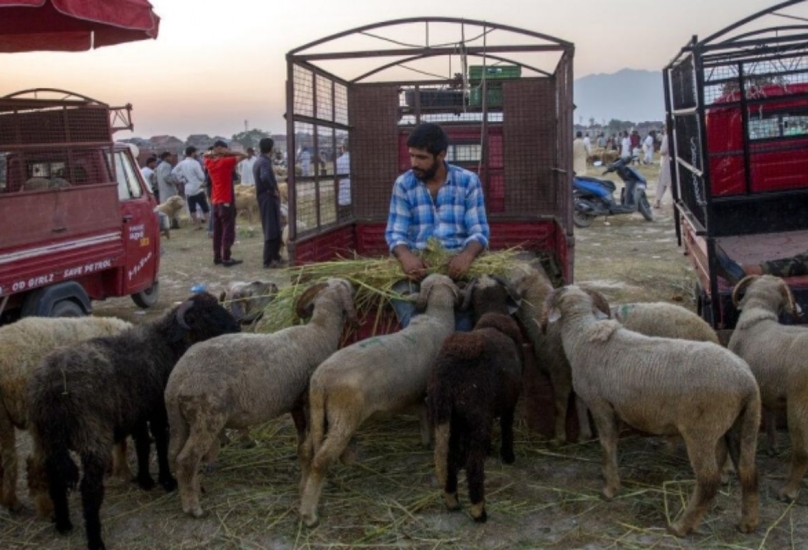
(245, 168)
(625, 146)
(664, 181)
(191, 172)
(648, 145)
(165, 184)
(344, 170)
(269, 203)
(220, 163)
(150, 177)
(580, 152)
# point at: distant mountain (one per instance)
(628, 94)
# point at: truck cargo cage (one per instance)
(737, 116)
(503, 94)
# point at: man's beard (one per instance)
(428, 174)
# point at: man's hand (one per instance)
(413, 266)
(460, 264)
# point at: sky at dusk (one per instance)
(216, 64)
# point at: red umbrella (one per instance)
(73, 25)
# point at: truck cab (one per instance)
(77, 220)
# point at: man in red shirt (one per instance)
(220, 163)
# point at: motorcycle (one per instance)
(593, 197)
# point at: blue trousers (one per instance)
(405, 310)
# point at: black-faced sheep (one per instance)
(664, 386)
(379, 375)
(86, 396)
(476, 378)
(240, 380)
(777, 356)
(23, 345)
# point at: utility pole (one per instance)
(246, 128)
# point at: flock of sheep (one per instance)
(85, 385)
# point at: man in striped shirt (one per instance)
(435, 199)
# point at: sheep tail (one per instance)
(442, 435)
(748, 425)
(317, 417)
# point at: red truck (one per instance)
(737, 112)
(77, 220)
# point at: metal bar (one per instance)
(755, 76)
(434, 51)
(316, 144)
(747, 161)
(290, 151)
(674, 174)
(690, 167)
(295, 52)
(685, 112)
(322, 72)
(321, 122)
(745, 20)
(778, 29)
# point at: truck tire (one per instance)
(66, 308)
(147, 298)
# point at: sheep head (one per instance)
(304, 307)
(345, 291)
(572, 298)
(601, 308)
(502, 323)
(772, 290)
(247, 301)
(199, 318)
(429, 285)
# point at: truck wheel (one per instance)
(581, 219)
(66, 308)
(147, 298)
(645, 208)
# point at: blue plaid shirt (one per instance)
(456, 218)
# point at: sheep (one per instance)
(22, 346)
(247, 301)
(84, 397)
(171, 208)
(664, 320)
(776, 354)
(663, 386)
(378, 375)
(245, 200)
(476, 377)
(239, 380)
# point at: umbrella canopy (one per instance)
(73, 25)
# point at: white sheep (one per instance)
(777, 356)
(240, 380)
(378, 375)
(23, 345)
(664, 386)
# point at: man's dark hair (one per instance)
(429, 136)
(250, 149)
(150, 160)
(220, 143)
(190, 150)
(164, 155)
(266, 145)
(578, 134)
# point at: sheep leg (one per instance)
(479, 442)
(770, 417)
(159, 430)
(425, 426)
(453, 461)
(797, 424)
(608, 433)
(188, 460)
(722, 459)
(333, 446)
(120, 466)
(142, 447)
(562, 388)
(506, 427)
(702, 454)
(92, 496)
(8, 464)
(584, 428)
(38, 485)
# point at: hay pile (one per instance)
(373, 279)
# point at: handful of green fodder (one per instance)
(373, 280)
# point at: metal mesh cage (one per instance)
(304, 91)
(41, 169)
(683, 85)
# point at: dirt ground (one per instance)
(550, 498)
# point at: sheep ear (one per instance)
(304, 307)
(222, 296)
(467, 294)
(740, 289)
(554, 315)
(422, 297)
(600, 306)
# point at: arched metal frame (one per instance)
(318, 82)
(701, 79)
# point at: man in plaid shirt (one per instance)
(435, 199)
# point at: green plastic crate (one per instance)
(495, 72)
(494, 97)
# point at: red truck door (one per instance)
(140, 228)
